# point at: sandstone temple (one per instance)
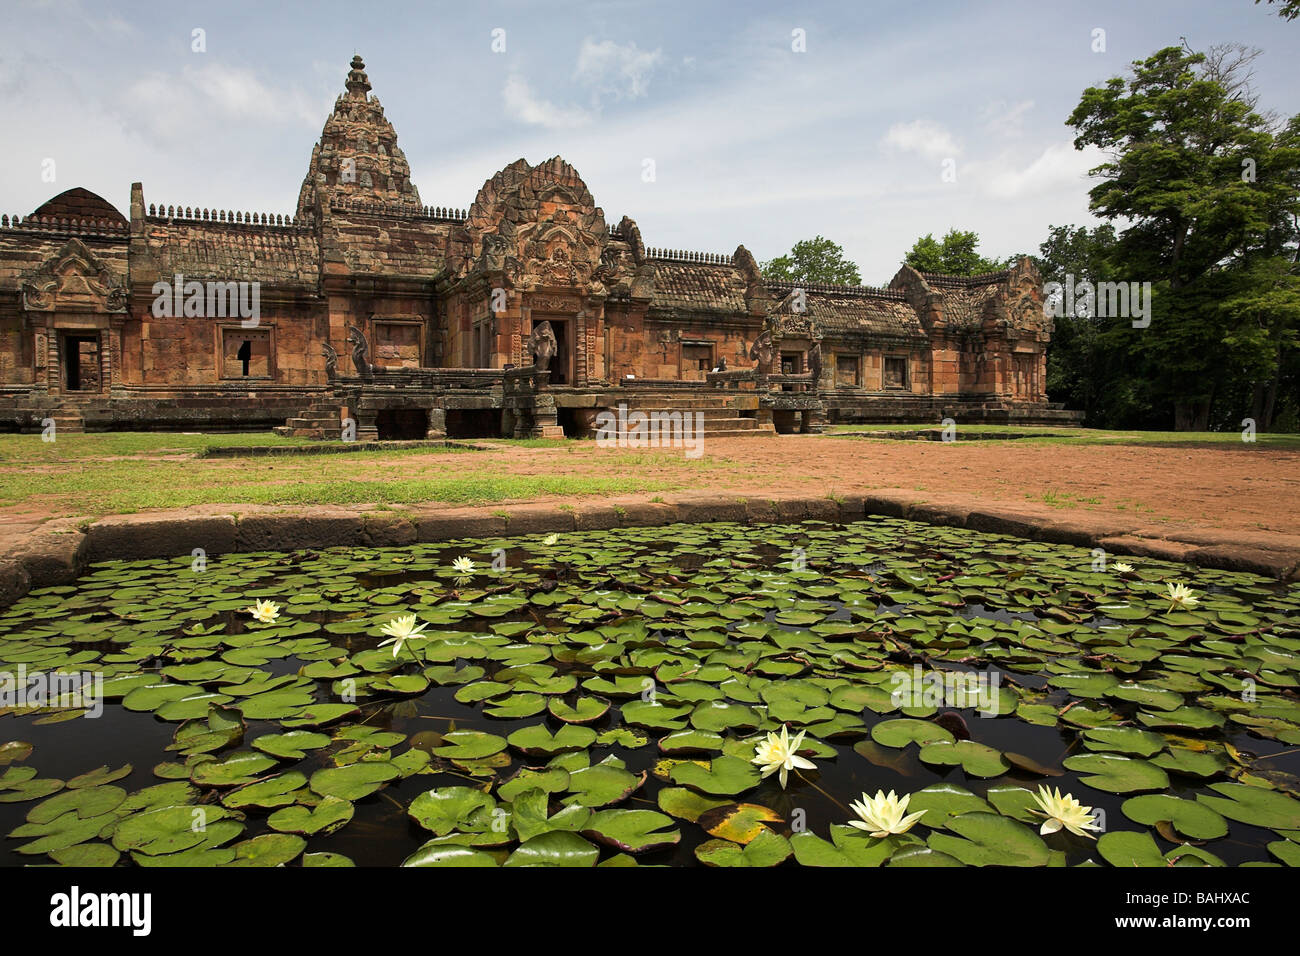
(524, 315)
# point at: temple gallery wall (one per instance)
(527, 313)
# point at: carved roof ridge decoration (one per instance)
(984, 278)
(826, 288)
(226, 217)
(73, 279)
(66, 226)
(357, 154)
(683, 255)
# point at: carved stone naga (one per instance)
(761, 350)
(331, 361)
(541, 345)
(361, 354)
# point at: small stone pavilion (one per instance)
(526, 314)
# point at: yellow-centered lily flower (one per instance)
(264, 611)
(400, 630)
(882, 815)
(1064, 811)
(1181, 596)
(550, 539)
(1119, 567)
(463, 565)
(779, 753)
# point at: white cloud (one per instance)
(618, 70)
(1006, 119)
(927, 138)
(525, 106)
(1059, 168)
(214, 90)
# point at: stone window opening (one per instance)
(896, 372)
(848, 371)
(245, 353)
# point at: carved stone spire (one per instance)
(358, 83)
(357, 156)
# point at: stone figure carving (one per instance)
(331, 361)
(541, 345)
(761, 350)
(361, 353)
(815, 363)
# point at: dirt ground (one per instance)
(1244, 489)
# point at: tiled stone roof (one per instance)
(223, 251)
(698, 286)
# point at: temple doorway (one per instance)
(80, 355)
(562, 363)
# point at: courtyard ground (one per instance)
(1243, 491)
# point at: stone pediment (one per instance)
(538, 225)
(74, 279)
(791, 320)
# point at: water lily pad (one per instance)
(442, 854)
(326, 817)
(989, 839)
(632, 831)
(538, 741)
(1116, 773)
(738, 822)
(554, 848)
(975, 759)
(355, 781)
(1253, 805)
(1191, 819)
(765, 850)
(277, 791)
(724, 777)
(902, 731)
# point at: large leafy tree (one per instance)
(813, 260)
(1207, 186)
(955, 254)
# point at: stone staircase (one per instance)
(323, 420)
(722, 419)
(68, 418)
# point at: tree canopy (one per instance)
(817, 260)
(954, 254)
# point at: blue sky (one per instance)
(751, 141)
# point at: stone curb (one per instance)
(61, 549)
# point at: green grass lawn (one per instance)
(1086, 436)
(120, 473)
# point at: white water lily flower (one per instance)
(882, 815)
(463, 565)
(1181, 596)
(779, 753)
(400, 630)
(550, 539)
(1119, 567)
(264, 611)
(1064, 811)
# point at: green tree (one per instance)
(816, 260)
(1208, 186)
(955, 254)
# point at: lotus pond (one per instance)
(598, 698)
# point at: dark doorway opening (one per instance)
(81, 363)
(473, 423)
(560, 363)
(785, 421)
(402, 424)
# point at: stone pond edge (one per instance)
(60, 550)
